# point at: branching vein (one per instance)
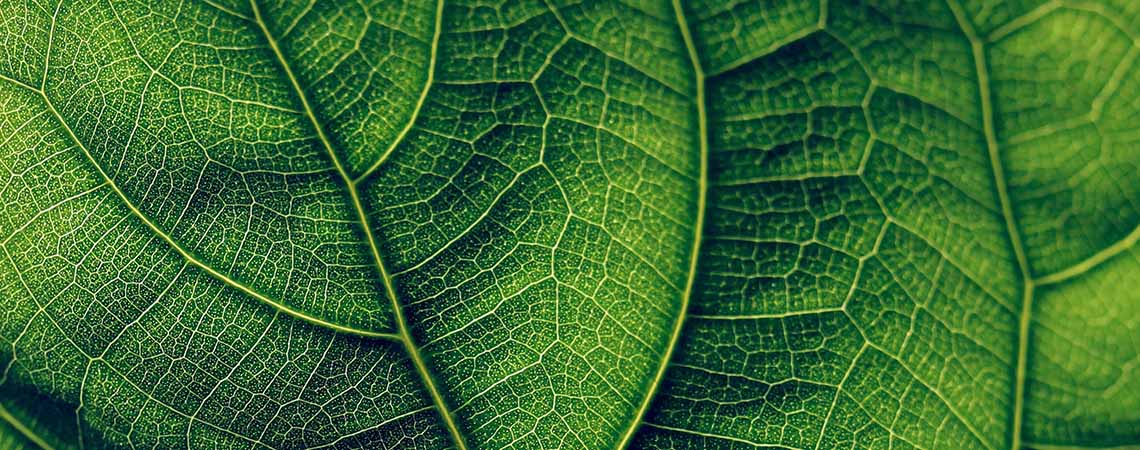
(397, 308)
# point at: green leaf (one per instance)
(31, 421)
(13, 439)
(569, 224)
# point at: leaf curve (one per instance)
(488, 218)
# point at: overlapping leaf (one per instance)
(480, 224)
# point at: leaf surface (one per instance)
(532, 224)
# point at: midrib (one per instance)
(397, 308)
(978, 48)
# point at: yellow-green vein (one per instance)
(23, 429)
(186, 254)
(1025, 314)
(1087, 264)
(419, 102)
(390, 290)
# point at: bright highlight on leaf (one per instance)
(574, 224)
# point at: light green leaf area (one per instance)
(569, 224)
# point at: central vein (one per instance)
(351, 184)
(1024, 317)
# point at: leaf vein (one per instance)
(402, 328)
(698, 229)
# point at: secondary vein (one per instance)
(419, 103)
(698, 228)
(184, 253)
(397, 309)
(1088, 264)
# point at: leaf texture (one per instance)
(569, 224)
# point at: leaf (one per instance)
(30, 421)
(564, 224)
(11, 439)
